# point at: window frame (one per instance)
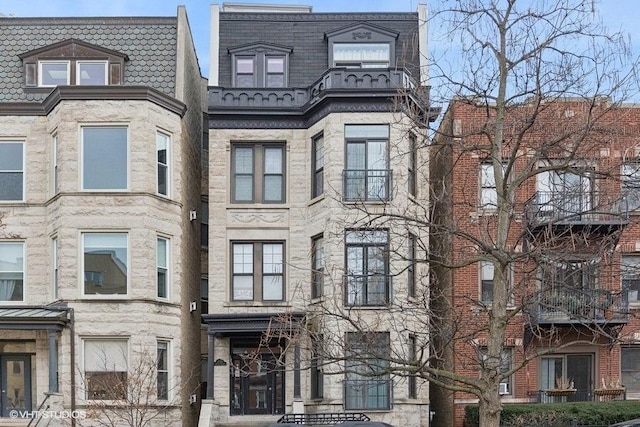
(160, 269)
(260, 53)
(83, 150)
(55, 179)
(360, 62)
(204, 294)
(412, 164)
(166, 165)
(204, 223)
(627, 281)
(21, 171)
(23, 273)
(259, 172)
(317, 266)
(631, 373)
(412, 267)
(42, 62)
(83, 268)
(316, 380)
(55, 267)
(369, 362)
(166, 370)
(257, 273)
(317, 177)
(367, 135)
(366, 239)
(80, 62)
(630, 184)
(507, 356)
(124, 375)
(412, 381)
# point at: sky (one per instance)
(617, 14)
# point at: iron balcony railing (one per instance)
(367, 185)
(567, 207)
(367, 289)
(329, 418)
(561, 396)
(367, 394)
(566, 305)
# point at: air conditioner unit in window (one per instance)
(504, 388)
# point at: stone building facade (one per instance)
(307, 144)
(99, 261)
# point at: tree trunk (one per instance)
(490, 407)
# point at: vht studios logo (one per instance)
(78, 415)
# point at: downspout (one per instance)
(72, 343)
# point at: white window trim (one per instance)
(24, 172)
(53, 62)
(84, 339)
(24, 273)
(169, 370)
(167, 267)
(82, 126)
(168, 162)
(103, 62)
(81, 265)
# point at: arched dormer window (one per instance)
(361, 46)
(73, 62)
(260, 65)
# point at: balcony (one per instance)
(577, 306)
(596, 395)
(573, 210)
(366, 185)
(362, 290)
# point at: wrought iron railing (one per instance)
(561, 396)
(560, 305)
(367, 289)
(574, 207)
(329, 418)
(367, 184)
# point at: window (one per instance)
(258, 173)
(505, 366)
(317, 185)
(204, 294)
(488, 191)
(368, 282)
(412, 163)
(413, 354)
(204, 223)
(258, 271)
(162, 149)
(105, 263)
(54, 162)
(486, 281)
(260, 65)
(54, 261)
(93, 73)
(630, 369)
(367, 384)
(317, 266)
(566, 194)
(361, 55)
(11, 171)
(631, 185)
(367, 176)
(162, 257)
(53, 73)
(631, 276)
(412, 265)
(105, 368)
(162, 368)
(11, 271)
(317, 376)
(104, 158)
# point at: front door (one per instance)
(258, 384)
(576, 368)
(15, 380)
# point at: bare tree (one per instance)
(536, 90)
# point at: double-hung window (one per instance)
(54, 161)
(258, 271)
(105, 368)
(11, 271)
(317, 186)
(506, 361)
(630, 369)
(11, 171)
(367, 176)
(631, 185)
(258, 173)
(54, 262)
(367, 383)
(260, 65)
(630, 273)
(105, 263)
(105, 158)
(162, 154)
(412, 265)
(162, 259)
(245, 71)
(162, 370)
(412, 164)
(488, 191)
(317, 267)
(316, 374)
(486, 281)
(367, 282)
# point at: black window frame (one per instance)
(258, 275)
(317, 266)
(260, 53)
(258, 173)
(317, 178)
(361, 281)
(382, 179)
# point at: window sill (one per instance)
(256, 304)
(316, 200)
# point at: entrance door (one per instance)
(577, 368)
(258, 385)
(15, 379)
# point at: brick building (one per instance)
(572, 247)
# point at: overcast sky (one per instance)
(617, 14)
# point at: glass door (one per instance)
(258, 385)
(15, 379)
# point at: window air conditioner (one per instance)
(504, 388)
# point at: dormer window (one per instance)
(361, 46)
(260, 65)
(73, 62)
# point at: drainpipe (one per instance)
(72, 343)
